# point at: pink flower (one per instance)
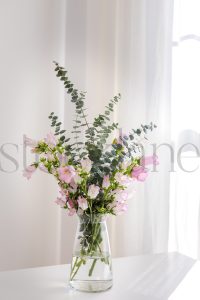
(73, 186)
(149, 160)
(93, 191)
(28, 172)
(122, 179)
(106, 182)
(60, 202)
(119, 205)
(140, 173)
(62, 159)
(70, 203)
(51, 140)
(120, 195)
(64, 193)
(120, 208)
(62, 199)
(29, 142)
(71, 212)
(66, 173)
(86, 165)
(82, 202)
(71, 208)
(43, 168)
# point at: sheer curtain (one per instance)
(108, 47)
(125, 46)
(185, 192)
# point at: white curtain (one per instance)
(108, 47)
(125, 46)
(185, 192)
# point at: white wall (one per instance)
(31, 34)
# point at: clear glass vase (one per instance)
(91, 267)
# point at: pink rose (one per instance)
(140, 173)
(66, 173)
(28, 172)
(82, 202)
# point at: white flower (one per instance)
(93, 191)
(86, 165)
(106, 182)
(82, 203)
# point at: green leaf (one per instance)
(62, 138)
(62, 131)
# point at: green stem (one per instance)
(74, 265)
(78, 267)
(92, 267)
(93, 240)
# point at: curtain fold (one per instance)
(125, 46)
(184, 193)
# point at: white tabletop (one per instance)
(148, 277)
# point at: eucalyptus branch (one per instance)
(77, 98)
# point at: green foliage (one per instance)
(96, 133)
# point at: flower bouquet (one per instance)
(94, 179)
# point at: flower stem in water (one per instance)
(92, 267)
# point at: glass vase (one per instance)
(91, 267)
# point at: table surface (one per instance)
(163, 276)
